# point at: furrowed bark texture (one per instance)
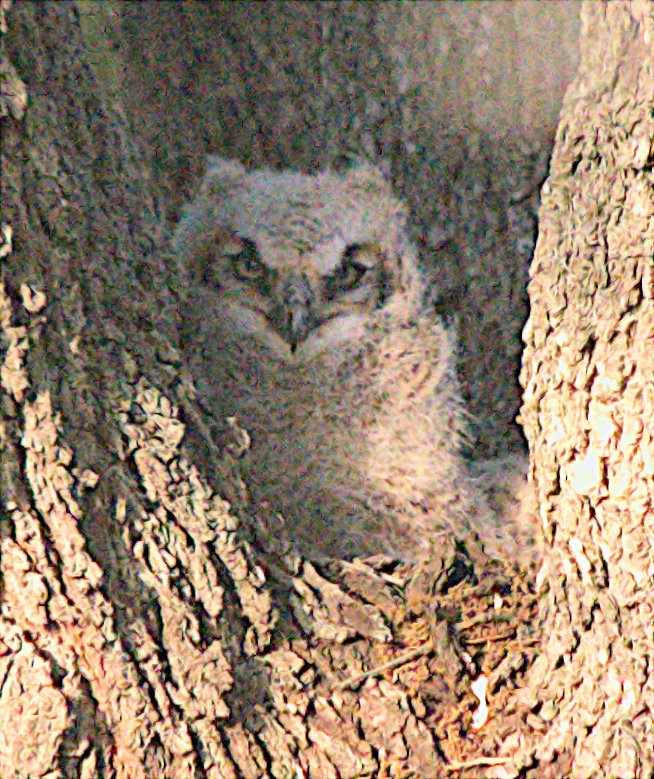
(589, 395)
(147, 630)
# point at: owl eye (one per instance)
(247, 266)
(355, 264)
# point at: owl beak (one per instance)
(300, 319)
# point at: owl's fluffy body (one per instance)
(348, 386)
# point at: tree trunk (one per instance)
(147, 629)
(588, 376)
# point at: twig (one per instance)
(425, 649)
(480, 761)
(488, 639)
(479, 619)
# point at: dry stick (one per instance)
(480, 761)
(425, 649)
(480, 619)
(488, 639)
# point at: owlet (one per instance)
(308, 323)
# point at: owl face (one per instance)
(306, 261)
(301, 310)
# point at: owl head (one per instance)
(302, 262)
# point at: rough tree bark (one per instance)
(587, 411)
(145, 629)
(148, 630)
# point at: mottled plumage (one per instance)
(307, 322)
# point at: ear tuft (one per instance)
(222, 174)
(365, 175)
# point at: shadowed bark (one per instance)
(148, 629)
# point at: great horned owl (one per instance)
(307, 322)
